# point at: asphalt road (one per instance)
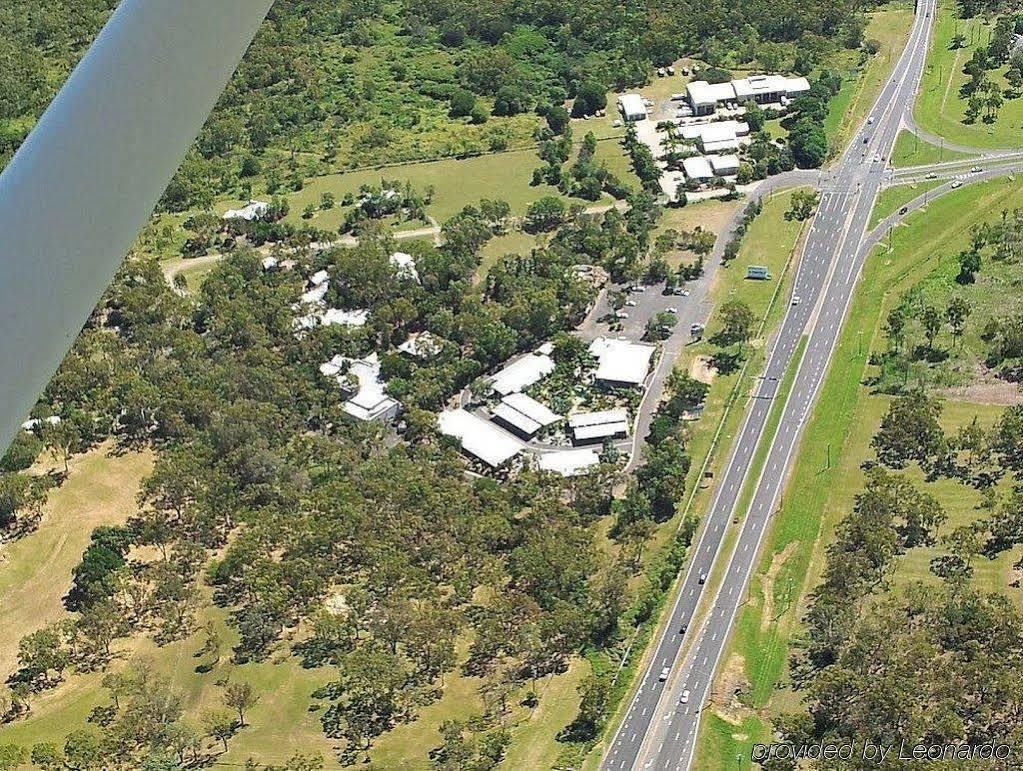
(659, 731)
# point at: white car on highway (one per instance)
(684, 698)
(665, 671)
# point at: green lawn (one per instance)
(892, 199)
(940, 109)
(910, 150)
(843, 423)
(457, 183)
(514, 242)
(890, 27)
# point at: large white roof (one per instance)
(371, 401)
(582, 419)
(568, 462)
(600, 431)
(721, 146)
(697, 167)
(525, 413)
(522, 373)
(622, 361)
(755, 85)
(531, 408)
(703, 93)
(724, 164)
(632, 106)
(478, 437)
(716, 131)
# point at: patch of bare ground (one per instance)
(728, 687)
(986, 391)
(702, 369)
(777, 562)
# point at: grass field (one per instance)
(842, 426)
(890, 27)
(35, 571)
(910, 150)
(892, 199)
(456, 182)
(940, 109)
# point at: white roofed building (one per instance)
(704, 97)
(621, 362)
(697, 168)
(404, 266)
(568, 462)
(590, 427)
(522, 373)
(478, 437)
(523, 414)
(338, 317)
(724, 165)
(253, 211)
(632, 107)
(369, 402)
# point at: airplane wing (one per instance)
(76, 194)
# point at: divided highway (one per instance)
(659, 730)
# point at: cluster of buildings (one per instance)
(708, 120)
(707, 98)
(513, 425)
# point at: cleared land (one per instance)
(456, 183)
(941, 110)
(35, 570)
(843, 424)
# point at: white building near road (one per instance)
(632, 107)
(597, 426)
(522, 373)
(705, 97)
(369, 402)
(724, 165)
(621, 362)
(479, 438)
(568, 463)
(524, 414)
(697, 167)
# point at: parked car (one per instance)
(631, 303)
(672, 310)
